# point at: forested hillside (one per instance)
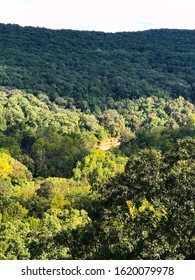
(63, 95)
(92, 67)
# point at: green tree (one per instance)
(14, 241)
(99, 167)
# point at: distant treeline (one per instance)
(91, 69)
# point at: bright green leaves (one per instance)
(13, 169)
(157, 212)
(56, 154)
(99, 167)
(14, 240)
(6, 168)
(14, 176)
(53, 236)
(3, 125)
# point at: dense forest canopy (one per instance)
(63, 94)
(92, 67)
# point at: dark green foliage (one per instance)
(149, 210)
(63, 95)
(92, 67)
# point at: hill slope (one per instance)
(60, 196)
(92, 67)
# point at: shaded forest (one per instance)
(62, 94)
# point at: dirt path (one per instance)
(108, 143)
